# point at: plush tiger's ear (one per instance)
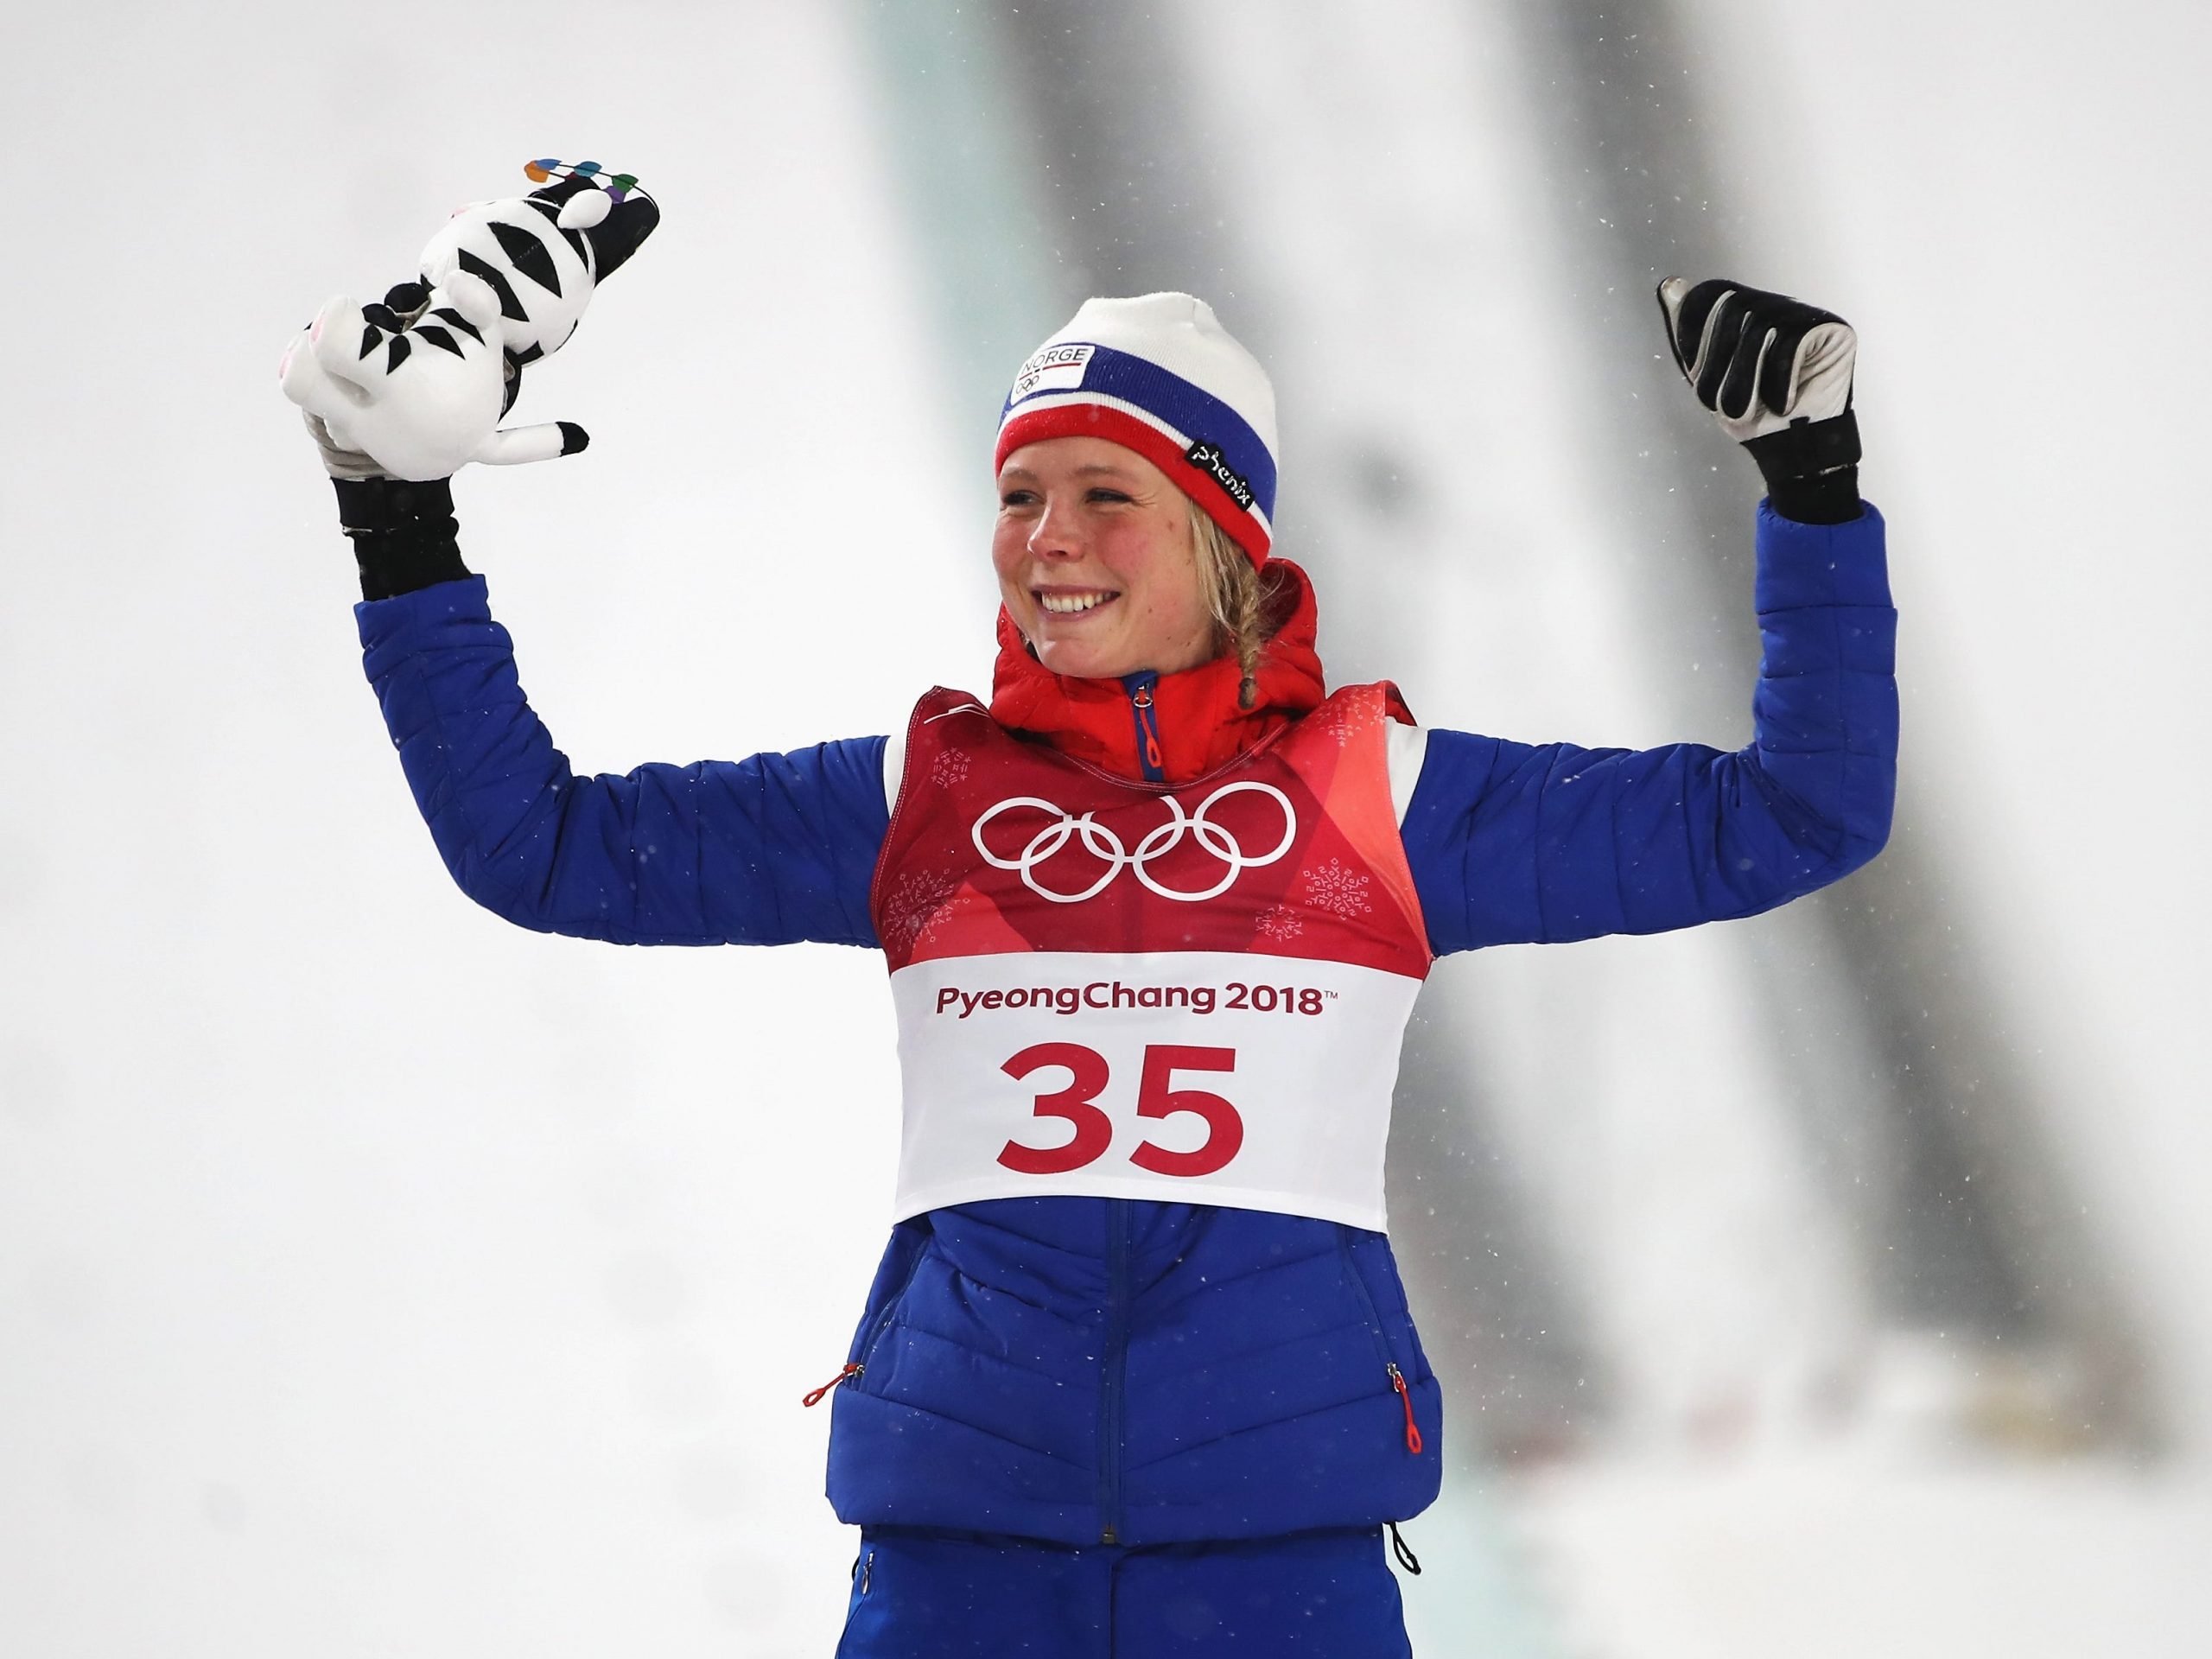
(609, 210)
(585, 210)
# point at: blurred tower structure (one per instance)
(1644, 1192)
(1906, 1080)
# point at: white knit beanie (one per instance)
(1159, 375)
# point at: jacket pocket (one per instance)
(892, 1277)
(1391, 1373)
(872, 1329)
(1366, 1297)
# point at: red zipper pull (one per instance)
(1143, 699)
(815, 1397)
(1412, 1429)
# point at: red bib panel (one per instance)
(1121, 990)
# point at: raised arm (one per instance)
(1522, 843)
(400, 394)
(1511, 843)
(770, 850)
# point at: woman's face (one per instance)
(1095, 561)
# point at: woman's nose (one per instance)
(1056, 534)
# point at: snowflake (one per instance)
(948, 768)
(1277, 923)
(1336, 721)
(1341, 892)
(915, 902)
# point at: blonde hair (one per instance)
(1239, 598)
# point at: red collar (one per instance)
(1195, 712)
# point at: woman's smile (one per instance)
(1073, 601)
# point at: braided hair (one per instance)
(1239, 595)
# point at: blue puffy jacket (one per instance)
(1083, 1369)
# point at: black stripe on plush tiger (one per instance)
(544, 254)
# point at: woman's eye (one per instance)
(1109, 495)
(1017, 498)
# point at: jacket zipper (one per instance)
(814, 1396)
(1116, 1362)
(1381, 1343)
(1149, 755)
(873, 1334)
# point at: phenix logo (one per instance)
(1103, 845)
(1208, 457)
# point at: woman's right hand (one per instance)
(413, 387)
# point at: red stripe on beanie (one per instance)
(1119, 426)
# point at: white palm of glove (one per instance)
(1761, 362)
(420, 398)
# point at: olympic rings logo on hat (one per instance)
(1102, 843)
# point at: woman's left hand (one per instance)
(1759, 361)
(1777, 374)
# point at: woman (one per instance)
(1136, 1375)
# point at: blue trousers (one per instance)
(966, 1595)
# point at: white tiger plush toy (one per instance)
(418, 383)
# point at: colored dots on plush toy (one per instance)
(546, 168)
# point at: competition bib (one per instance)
(1194, 1077)
(1193, 994)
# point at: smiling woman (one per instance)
(1136, 1375)
(1173, 589)
(1107, 566)
(1096, 561)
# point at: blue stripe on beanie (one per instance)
(1158, 374)
(1195, 413)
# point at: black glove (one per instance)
(403, 534)
(1777, 374)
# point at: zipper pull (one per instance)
(1412, 1429)
(1403, 1551)
(1139, 686)
(814, 1396)
(1152, 758)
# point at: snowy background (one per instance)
(376, 1278)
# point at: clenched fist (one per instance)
(1777, 374)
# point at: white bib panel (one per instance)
(1190, 1077)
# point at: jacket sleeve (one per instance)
(1519, 843)
(771, 850)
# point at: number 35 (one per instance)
(1088, 1075)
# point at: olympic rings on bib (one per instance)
(1102, 843)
